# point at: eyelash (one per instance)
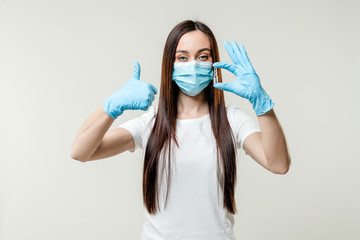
(206, 57)
(181, 58)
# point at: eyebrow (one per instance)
(201, 50)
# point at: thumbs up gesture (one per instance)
(133, 95)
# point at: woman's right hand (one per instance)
(133, 95)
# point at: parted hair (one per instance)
(163, 134)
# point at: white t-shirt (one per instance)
(194, 209)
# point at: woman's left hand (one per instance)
(247, 82)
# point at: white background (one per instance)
(59, 60)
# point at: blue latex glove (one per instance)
(132, 96)
(247, 82)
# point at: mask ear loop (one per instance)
(215, 78)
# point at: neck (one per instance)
(192, 106)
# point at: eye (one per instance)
(182, 58)
(204, 57)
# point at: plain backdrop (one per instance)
(59, 60)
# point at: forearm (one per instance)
(91, 134)
(274, 142)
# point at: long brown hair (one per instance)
(164, 129)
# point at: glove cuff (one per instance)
(267, 105)
(111, 113)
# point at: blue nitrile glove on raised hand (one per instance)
(132, 96)
(247, 83)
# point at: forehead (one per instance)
(193, 41)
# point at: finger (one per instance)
(151, 97)
(153, 88)
(145, 103)
(238, 53)
(231, 68)
(136, 74)
(231, 53)
(223, 86)
(149, 100)
(244, 53)
(144, 107)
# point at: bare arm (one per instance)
(94, 141)
(269, 148)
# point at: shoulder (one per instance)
(232, 108)
(242, 124)
(234, 112)
(149, 116)
(238, 118)
(152, 110)
(141, 121)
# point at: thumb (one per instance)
(223, 86)
(136, 74)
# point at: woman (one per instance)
(190, 139)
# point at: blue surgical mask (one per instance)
(192, 77)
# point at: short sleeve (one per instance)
(242, 124)
(140, 126)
